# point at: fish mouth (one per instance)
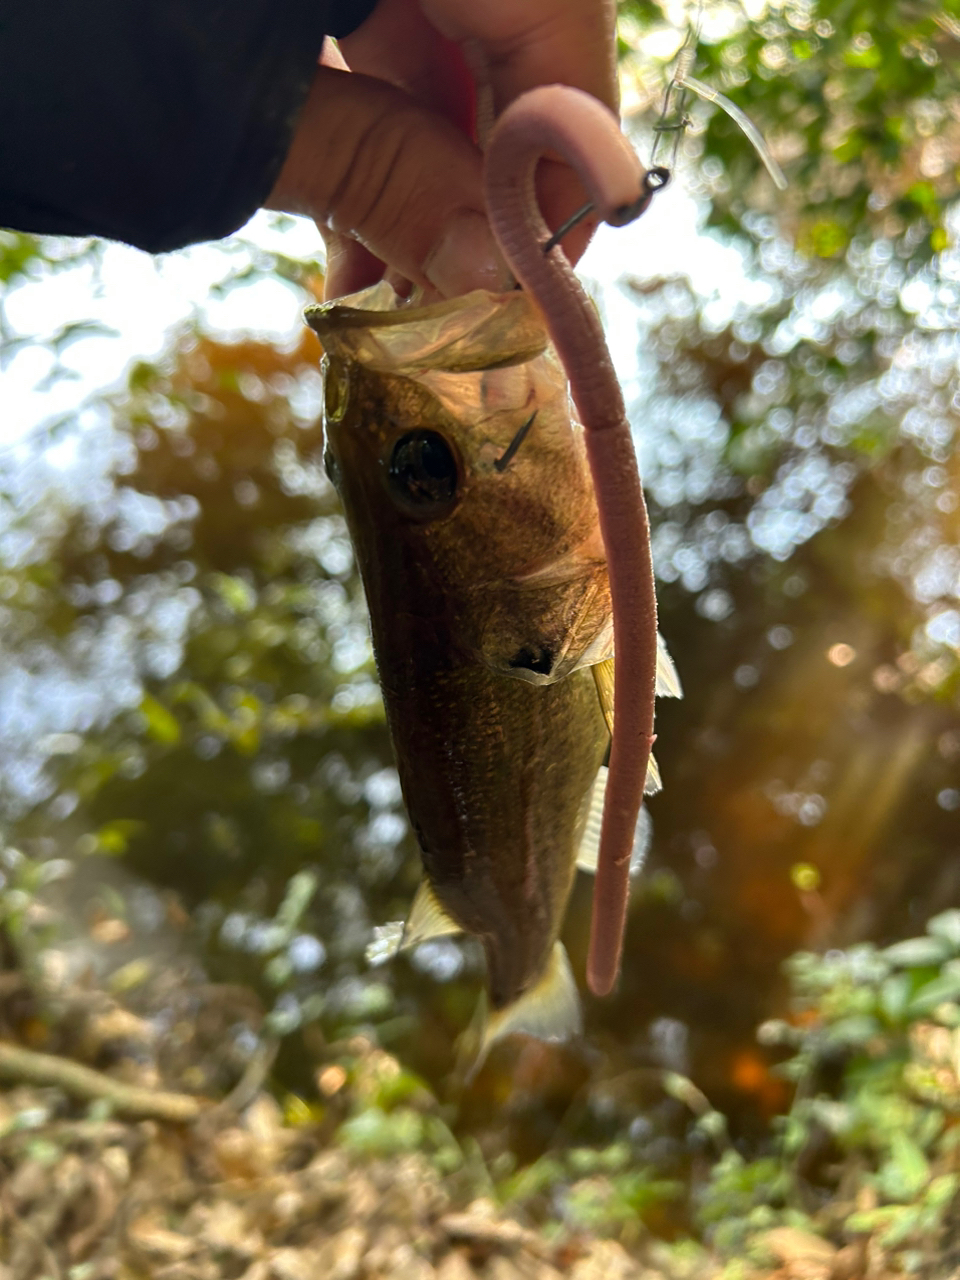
(480, 330)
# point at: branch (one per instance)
(24, 1065)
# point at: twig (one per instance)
(255, 1073)
(83, 1082)
(70, 1133)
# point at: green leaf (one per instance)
(902, 1226)
(906, 1172)
(868, 1220)
(941, 1191)
(379, 1133)
(827, 238)
(235, 593)
(939, 991)
(917, 953)
(924, 196)
(895, 996)
(868, 59)
(17, 252)
(114, 837)
(162, 725)
(946, 926)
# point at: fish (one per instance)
(448, 432)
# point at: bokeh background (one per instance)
(195, 775)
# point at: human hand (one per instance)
(382, 158)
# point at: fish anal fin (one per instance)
(427, 919)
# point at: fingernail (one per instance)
(467, 258)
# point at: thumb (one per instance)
(367, 162)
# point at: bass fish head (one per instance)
(448, 433)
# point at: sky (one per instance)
(144, 299)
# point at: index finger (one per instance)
(526, 43)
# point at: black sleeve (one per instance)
(157, 122)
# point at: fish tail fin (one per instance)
(549, 1011)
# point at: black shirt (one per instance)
(157, 122)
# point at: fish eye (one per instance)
(423, 471)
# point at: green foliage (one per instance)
(851, 97)
(393, 1112)
(603, 1190)
(875, 1056)
(22, 882)
(745, 1198)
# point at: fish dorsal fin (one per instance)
(549, 1011)
(668, 682)
(590, 842)
(427, 919)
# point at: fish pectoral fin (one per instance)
(427, 919)
(667, 686)
(668, 682)
(603, 678)
(548, 1011)
(589, 852)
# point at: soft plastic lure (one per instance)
(558, 119)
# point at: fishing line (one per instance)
(680, 82)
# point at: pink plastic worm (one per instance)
(564, 121)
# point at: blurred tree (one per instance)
(800, 457)
(186, 679)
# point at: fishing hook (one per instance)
(654, 180)
(510, 452)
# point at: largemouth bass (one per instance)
(471, 507)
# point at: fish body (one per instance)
(470, 504)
